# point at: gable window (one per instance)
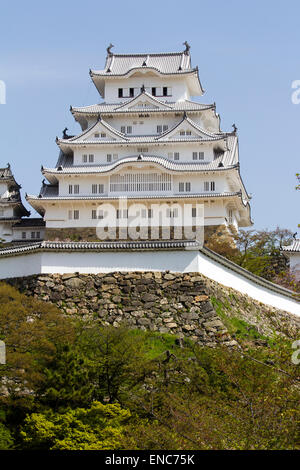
(122, 214)
(184, 187)
(188, 133)
(209, 186)
(97, 135)
(198, 155)
(103, 134)
(182, 133)
(97, 214)
(97, 188)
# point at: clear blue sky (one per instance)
(248, 55)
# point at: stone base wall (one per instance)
(163, 302)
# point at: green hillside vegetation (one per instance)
(71, 384)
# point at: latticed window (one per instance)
(140, 182)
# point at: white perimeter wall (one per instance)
(174, 261)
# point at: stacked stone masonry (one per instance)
(175, 303)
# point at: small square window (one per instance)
(103, 134)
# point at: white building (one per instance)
(293, 253)
(11, 207)
(149, 142)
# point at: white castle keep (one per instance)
(148, 143)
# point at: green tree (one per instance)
(100, 427)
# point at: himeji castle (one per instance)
(147, 143)
(146, 155)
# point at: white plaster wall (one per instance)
(185, 151)
(229, 278)
(174, 261)
(179, 87)
(19, 266)
(295, 264)
(57, 215)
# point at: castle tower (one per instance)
(148, 142)
(11, 207)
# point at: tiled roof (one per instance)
(98, 246)
(31, 222)
(5, 173)
(294, 247)
(206, 136)
(206, 195)
(165, 63)
(185, 105)
(226, 162)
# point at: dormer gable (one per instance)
(187, 129)
(99, 132)
(144, 101)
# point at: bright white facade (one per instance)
(293, 253)
(149, 142)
